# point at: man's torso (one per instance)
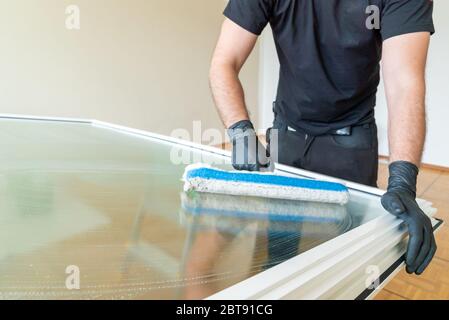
(329, 51)
(329, 62)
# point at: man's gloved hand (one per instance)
(247, 151)
(400, 200)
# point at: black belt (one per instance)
(346, 131)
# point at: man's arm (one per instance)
(404, 62)
(234, 46)
(233, 49)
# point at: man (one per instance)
(330, 52)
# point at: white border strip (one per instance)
(43, 118)
(225, 153)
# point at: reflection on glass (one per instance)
(109, 203)
(276, 230)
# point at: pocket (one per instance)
(361, 138)
(284, 146)
(278, 126)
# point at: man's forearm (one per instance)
(228, 94)
(407, 124)
(404, 64)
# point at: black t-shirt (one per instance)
(329, 51)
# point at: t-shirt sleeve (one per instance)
(406, 16)
(252, 15)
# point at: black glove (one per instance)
(400, 200)
(247, 151)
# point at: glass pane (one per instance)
(79, 202)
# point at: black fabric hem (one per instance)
(227, 13)
(405, 30)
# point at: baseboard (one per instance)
(423, 165)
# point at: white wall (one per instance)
(269, 77)
(141, 63)
(436, 151)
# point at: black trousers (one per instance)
(353, 157)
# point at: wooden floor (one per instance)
(433, 185)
